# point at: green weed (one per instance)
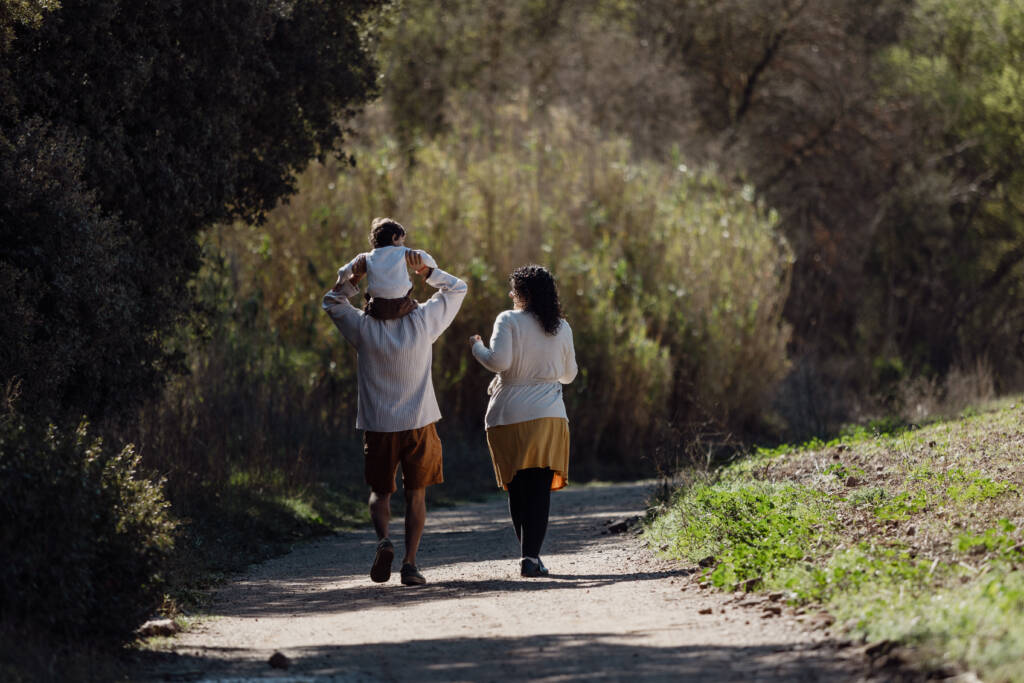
(976, 624)
(902, 506)
(873, 496)
(999, 539)
(851, 570)
(751, 530)
(841, 471)
(849, 435)
(973, 487)
(837, 470)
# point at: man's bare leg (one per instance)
(380, 513)
(415, 519)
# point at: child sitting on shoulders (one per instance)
(389, 289)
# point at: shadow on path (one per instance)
(585, 656)
(453, 537)
(287, 601)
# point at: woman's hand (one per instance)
(474, 339)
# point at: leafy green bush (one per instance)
(125, 129)
(85, 534)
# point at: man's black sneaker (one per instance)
(411, 576)
(381, 569)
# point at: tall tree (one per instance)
(956, 279)
(126, 128)
(784, 91)
(887, 134)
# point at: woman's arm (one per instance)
(499, 357)
(569, 359)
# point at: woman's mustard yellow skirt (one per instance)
(535, 443)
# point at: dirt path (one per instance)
(608, 611)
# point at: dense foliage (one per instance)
(126, 128)
(885, 134)
(954, 255)
(87, 536)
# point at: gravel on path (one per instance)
(609, 611)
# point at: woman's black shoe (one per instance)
(528, 567)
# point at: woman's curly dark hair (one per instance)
(535, 286)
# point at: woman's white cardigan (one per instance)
(532, 366)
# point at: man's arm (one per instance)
(440, 309)
(342, 313)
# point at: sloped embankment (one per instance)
(915, 538)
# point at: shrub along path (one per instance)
(608, 610)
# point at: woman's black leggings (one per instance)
(529, 502)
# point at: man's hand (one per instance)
(359, 268)
(474, 339)
(415, 261)
(358, 272)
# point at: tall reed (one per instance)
(672, 279)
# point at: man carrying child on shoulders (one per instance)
(397, 408)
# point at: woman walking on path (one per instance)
(527, 427)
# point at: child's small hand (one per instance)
(474, 339)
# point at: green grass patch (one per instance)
(869, 496)
(1003, 539)
(848, 435)
(843, 472)
(864, 567)
(750, 529)
(912, 535)
(973, 487)
(902, 506)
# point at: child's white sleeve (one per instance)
(428, 260)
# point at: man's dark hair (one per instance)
(383, 232)
(536, 287)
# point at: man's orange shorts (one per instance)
(417, 450)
